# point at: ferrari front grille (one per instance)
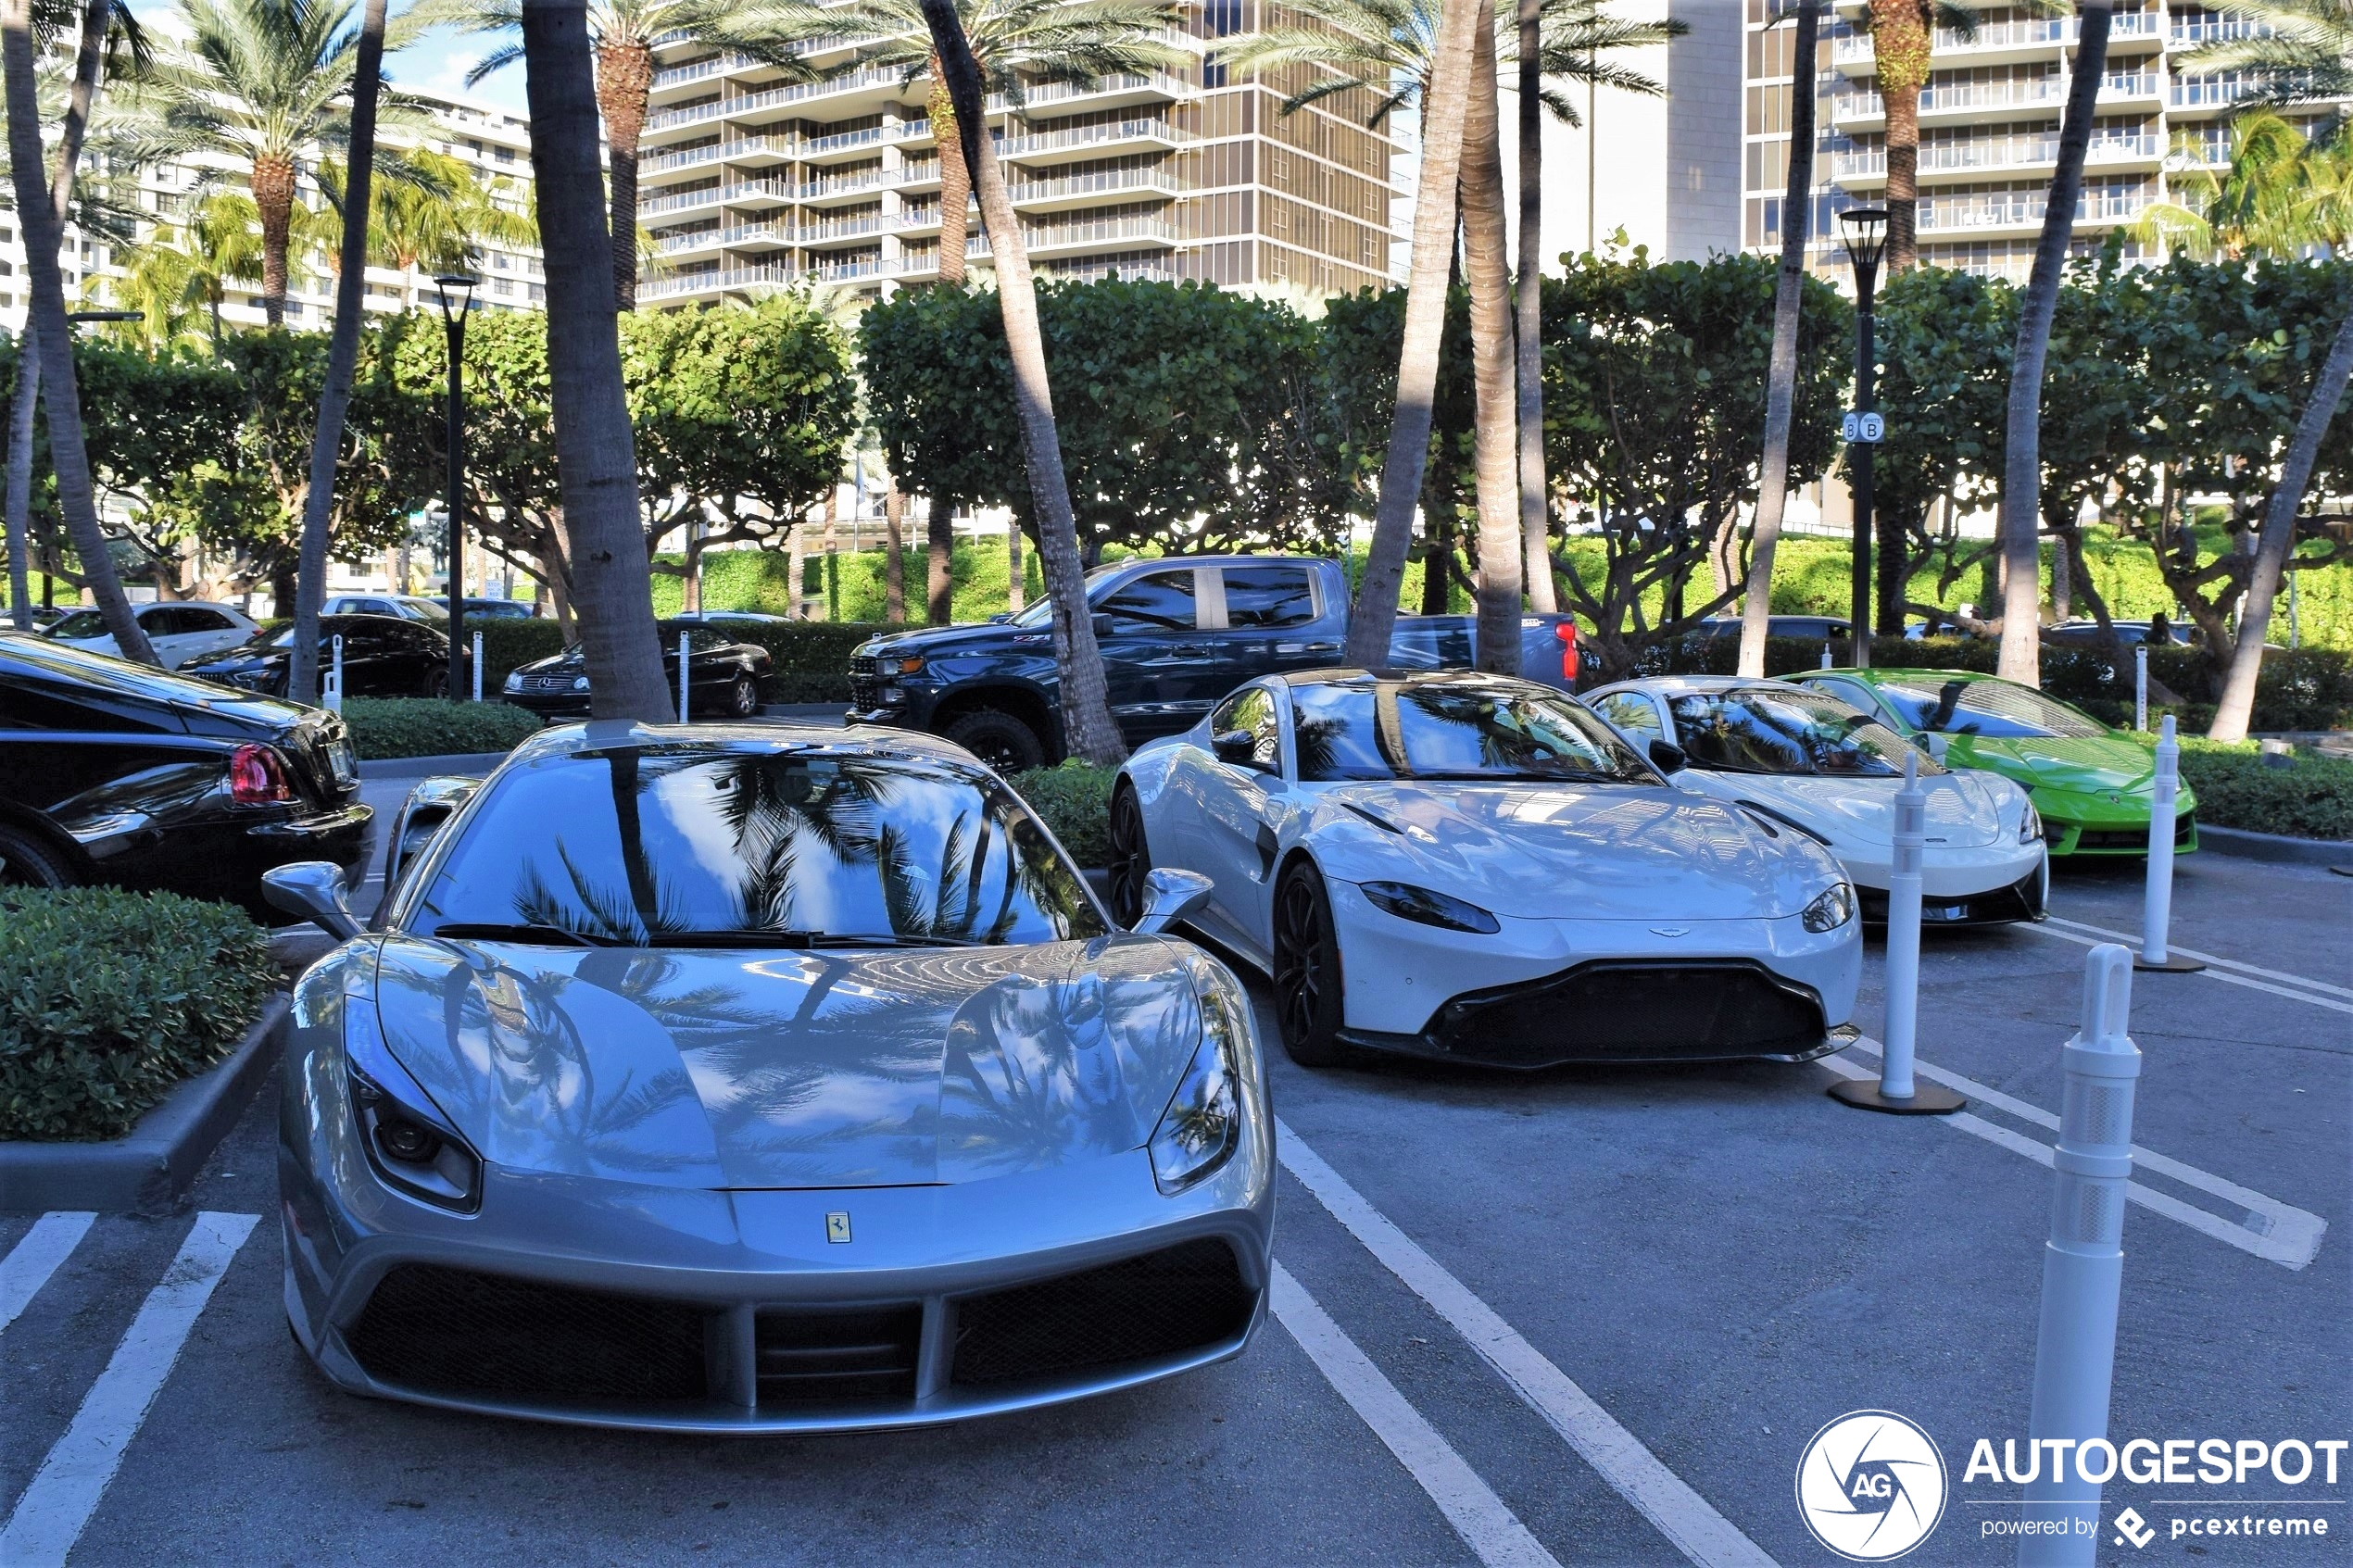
(865, 1355)
(1184, 1297)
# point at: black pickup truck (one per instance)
(1176, 634)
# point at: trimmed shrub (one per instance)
(108, 999)
(1075, 800)
(2312, 797)
(384, 727)
(507, 643)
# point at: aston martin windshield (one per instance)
(1996, 709)
(1763, 731)
(1454, 729)
(696, 846)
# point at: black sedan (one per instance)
(118, 772)
(382, 656)
(724, 676)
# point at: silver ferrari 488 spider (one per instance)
(736, 1080)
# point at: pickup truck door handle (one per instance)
(1307, 647)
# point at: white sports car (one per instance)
(1475, 868)
(1810, 761)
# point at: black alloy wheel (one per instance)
(1307, 981)
(1131, 857)
(1002, 741)
(28, 861)
(743, 696)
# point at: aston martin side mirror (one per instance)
(1236, 746)
(1169, 895)
(1936, 745)
(1669, 757)
(313, 890)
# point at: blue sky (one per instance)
(439, 62)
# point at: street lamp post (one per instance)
(457, 297)
(1864, 229)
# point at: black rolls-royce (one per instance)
(381, 656)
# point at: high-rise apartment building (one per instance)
(1989, 121)
(749, 182)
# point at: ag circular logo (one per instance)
(1870, 1486)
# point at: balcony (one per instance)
(2020, 211)
(740, 149)
(2017, 97)
(2036, 153)
(765, 275)
(1996, 44)
(1082, 187)
(772, 98)
(741, 193)
(2210, 91)
(1086, 140)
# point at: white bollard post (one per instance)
(1896, 1090)
(334, 676)
(1825, 653)
(477, 667)
(2157, 903)
(2140, 687)
(2083, 1268)
(684, 716)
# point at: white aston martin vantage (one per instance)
(1813, 763)
(1474, 868)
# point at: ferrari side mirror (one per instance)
(1669, 757)
(313, 890)
(1169, 895)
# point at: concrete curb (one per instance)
(150, 1169)
(2276, 847)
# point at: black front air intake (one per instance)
(1611, 1010)
(452, 1331)
(1185, 1298)
(863, 1355)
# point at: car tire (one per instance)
(1131, 857)
(1306, 971)
(743, 696)
(30, 861)
(998, 739)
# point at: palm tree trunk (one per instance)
(1088, 728)
(1374, 614)
(624, 76)
(1780, 376)
(273, 195)
(894, 552)
(955, 179)
(18, 502)
(37, 211)
(343, 357)
(596, 451)
(2022, 458)
(1901, 42)
(1017, 595)
(940, 551)
(2237, 707)
(1535, 509)
(1494, 442)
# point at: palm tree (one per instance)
(2022, 657)
(2262, 202)
(595, 453)
(185, 268)
(1088, 728)
(624, 33)
(1780, 376)
(41, 209)
(263, 84)
(438, 218)
(1903, 36)
(2302, 54)
(1495, 456)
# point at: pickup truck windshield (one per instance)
(1458, 729)
(1042, 612)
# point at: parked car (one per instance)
(724, 676)
(490, 610)
(407, 606)
(724, 616)
(2130, 632)
(381, 656)
(1817, 628)
(1806, 760)
(118, 772)
(1177, 635)
(180, 631)
(858, 1113)
(1477, 869)
(2093, 786)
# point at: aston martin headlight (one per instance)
(2030, 824)
(1202, 1124)
(410, 1146)
(1419, 904)
(1832, 909)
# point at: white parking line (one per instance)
(1685, 1518)
(2223, 976)
(2290, 1236)
(35, 1257)
(1487, 1526)
(2133, 939)
(49, 1517)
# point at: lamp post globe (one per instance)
(1864, 232)
(455, 298)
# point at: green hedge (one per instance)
(384, 727)
(108, 999)
(1073, 800)
(2311, 797)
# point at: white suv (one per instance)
(178, 630)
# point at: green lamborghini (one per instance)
(2090, 785)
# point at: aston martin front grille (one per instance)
(1631, 1011)
(453, 1331)
(865, 1355)
(1184, 1297)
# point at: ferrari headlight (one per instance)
(410, 1146)
(1202, 1124)
(1424, 907)
(1834, 908)
(2030, 824)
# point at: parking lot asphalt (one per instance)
(1587, 1316)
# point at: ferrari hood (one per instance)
(1963, 810)
(760, 1069)
(2092, 764)
(1573, 852)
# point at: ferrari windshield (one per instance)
(1997, 710)
(693, 844)
(1462, 728)
(1762, 730)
